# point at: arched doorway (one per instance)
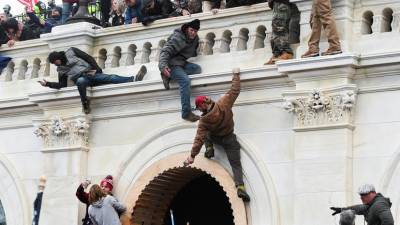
(190, 194)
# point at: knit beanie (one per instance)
(195, 24)
(108, 182)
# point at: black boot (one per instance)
(142, 71)
(241, 192)
(209, 151)
(86, 106)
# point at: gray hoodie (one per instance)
(377, 212)
(105, 211)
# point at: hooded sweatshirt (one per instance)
(105, 211)
(377, 212)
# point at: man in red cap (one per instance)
(216, 126)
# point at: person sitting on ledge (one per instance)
(216, 126)
(83, 70)
(180, 46)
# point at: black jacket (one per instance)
(162, 9)
(63, 79)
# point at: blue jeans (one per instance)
(66, 11)
(98, 79)
(180, 75)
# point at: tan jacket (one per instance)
(219, 121)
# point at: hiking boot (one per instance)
(165, 81)
(86, 107)
(331, 51)
(271, 61)
(142, 71)
(191, 117)
(241, 192)
(310, 53)
(209, 151)
(285, 56)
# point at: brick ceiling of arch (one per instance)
(155, 199)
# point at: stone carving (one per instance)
(60, 133)
(320, 109)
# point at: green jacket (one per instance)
(377, 212)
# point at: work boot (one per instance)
(310, 53)
(191, 117)
(209, 151)
(165, 81)
(271, 61)
(86, 106)
(285, 56)
(142, 71)
(241, 192)
(332, 51)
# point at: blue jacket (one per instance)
(134, 11)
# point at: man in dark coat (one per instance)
(375, 207)
(156, 9)
(180, 46)
(216, 126)
(83, 70)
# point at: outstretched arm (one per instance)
(230, 97)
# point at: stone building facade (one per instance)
(311, 130)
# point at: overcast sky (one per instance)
(16, 7)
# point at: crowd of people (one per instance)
(41, 19)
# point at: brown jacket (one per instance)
(219, 121)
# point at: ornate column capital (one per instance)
(64, 134)
(318, 110)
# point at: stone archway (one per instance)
(164, 175)
(12, 196)
(170, 191)
(169, 146)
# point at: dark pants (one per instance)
(280, 29)
(105, 8)
(98, 79)
(232, 149)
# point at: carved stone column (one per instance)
(323, 105)
(376, 25)
(217, 46)
(65, 148)
(234, 43)
(396, 22)
(109, 61)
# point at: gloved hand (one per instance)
(336, 210)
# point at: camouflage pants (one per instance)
(281, 15)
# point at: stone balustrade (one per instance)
(241, 32)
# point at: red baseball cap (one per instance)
(200, 100)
